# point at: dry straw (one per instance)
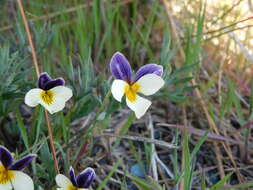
(36, 65)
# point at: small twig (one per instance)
(153, 150)
(228, 26)
(155, 158)
(199, 132)
(226, 32)
(57, 13)
(142, 139)
(36, 65)
(226, 12)
(50, 15)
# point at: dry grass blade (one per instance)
(142, 139)
(200, 132)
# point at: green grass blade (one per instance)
(218, 185)
(101, 186)
(199, 144)
(22, 129)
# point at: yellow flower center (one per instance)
(131, 91)
(47, 96)
(72, 187)
(5, 175)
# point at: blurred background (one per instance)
(205, 108)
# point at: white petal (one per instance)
(62, 181)
(150, 84)
(22, 181)
(61, 95)
(139, 106)
(62, 92)
(6, 186)
(118, 89)
(32, 97)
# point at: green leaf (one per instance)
(219, 185)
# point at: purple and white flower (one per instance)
(80, 182)
(52, 94)
(146, 81)
(11, 176)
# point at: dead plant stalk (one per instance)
(36, 65)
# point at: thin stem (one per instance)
(29, 36)
(52, 142)
(36, 65)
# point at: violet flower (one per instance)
(11, 176)
(80, 182)
(52, 94)
(146, 81)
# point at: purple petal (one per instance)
(72, 176)
(23, 162)
(5, 157)
(85, 178)
(148, 69)
(120, 67)
(54, 83)
(43, 79)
